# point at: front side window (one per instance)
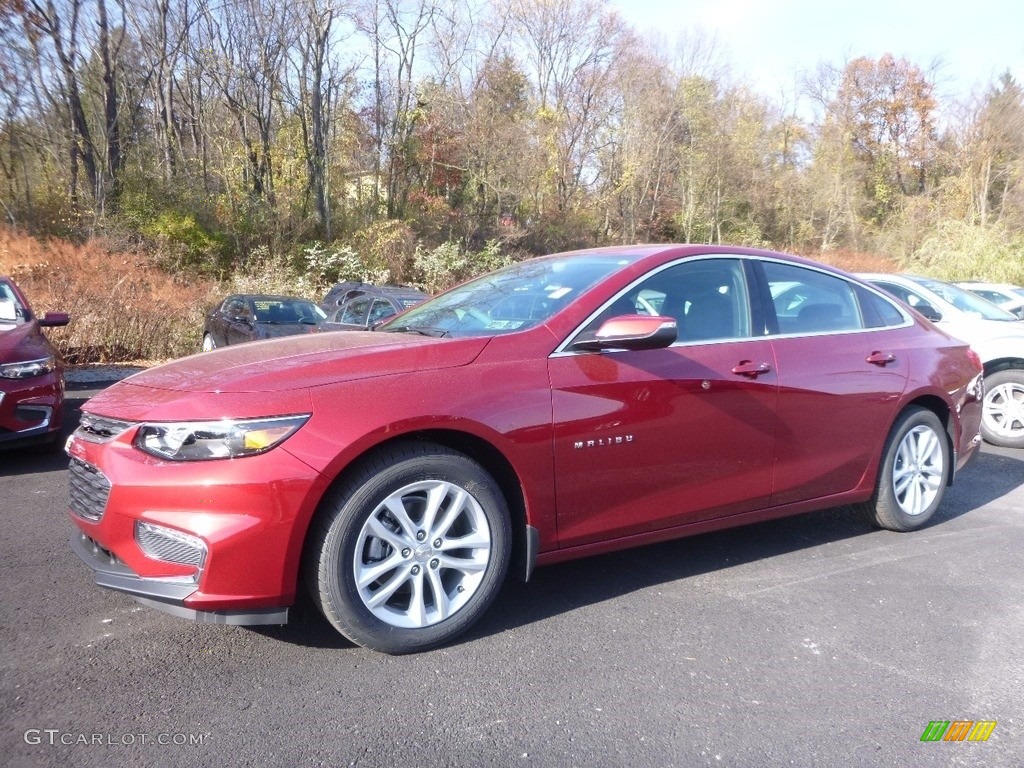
(381, 310)
(355, 311)
(706, 297)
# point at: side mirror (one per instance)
(632, 332)
(54, 319)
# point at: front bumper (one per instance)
(167, 595)
(250, 514)
(31, 409)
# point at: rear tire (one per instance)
(913, 473)
(1002, 419)
(411, 550)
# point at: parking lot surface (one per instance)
(810, 641)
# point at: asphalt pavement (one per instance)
(810, 641)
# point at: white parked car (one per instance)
(1009, 297)
(995, 334)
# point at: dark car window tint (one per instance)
(877, 312)
(905, 295)
(381, 309)
(809, 301)
(237, 308)
(354, 313)
(707, 298)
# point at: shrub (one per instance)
(960, 251)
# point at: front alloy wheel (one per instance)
(422, 553)
(913, 474)
(1002, 421)
(411, 550)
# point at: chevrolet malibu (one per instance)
(31, 373)
(564, 406)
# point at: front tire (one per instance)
(208, 343)
(411, 550)
(913, 474)
(1002, 420)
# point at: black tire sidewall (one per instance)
(992, 381)
(340, 595)
(888, 512)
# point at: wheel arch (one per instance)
(941, 409)
(1003, 364)
(488, 456)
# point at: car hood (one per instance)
(287, 366)
(23, 342)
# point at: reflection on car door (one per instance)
(646, 440)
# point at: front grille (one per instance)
(89, 489)
(99, 429)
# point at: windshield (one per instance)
(286, 311)
(512, 299)
(966, 301)
(12, 312)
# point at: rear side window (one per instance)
(877, 312)
(808, 301)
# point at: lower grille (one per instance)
(89, 490)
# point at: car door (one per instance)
(842, 369)
(648, 440)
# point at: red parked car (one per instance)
(564, 406)
(31, 375)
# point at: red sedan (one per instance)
(31, 375)
(561, 407)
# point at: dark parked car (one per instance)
(31, 374)
(251, 317)
(533, 415)
(364, 307)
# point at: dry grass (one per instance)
(122, 307)
(857, 261)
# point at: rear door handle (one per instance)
(881, 358)
(751, 369)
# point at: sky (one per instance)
(768, 42)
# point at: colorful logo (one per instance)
(958, 730)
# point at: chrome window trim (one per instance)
(562, 349)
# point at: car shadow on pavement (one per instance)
(562, 588)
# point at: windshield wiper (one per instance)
(422, 330)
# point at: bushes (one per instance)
(122, 307)
(960, 251)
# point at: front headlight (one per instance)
(28, 369)
(226, 439)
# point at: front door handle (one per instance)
(881, 358)
(751, 369)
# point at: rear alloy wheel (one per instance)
(411, 551)
(208, 343)
(1002, 421)
(913, 474)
